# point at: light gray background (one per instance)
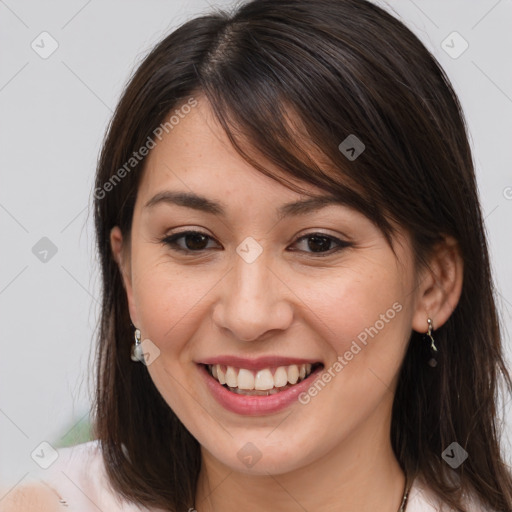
(54, 113)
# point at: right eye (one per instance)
(193, 241)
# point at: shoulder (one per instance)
(76, 480)
(36, 497)
(423, 499)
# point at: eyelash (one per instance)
(171, 241)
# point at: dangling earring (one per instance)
(137, 354)
(432, 361)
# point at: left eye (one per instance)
(196, 241)
(321, 243)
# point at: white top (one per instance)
(79, 483)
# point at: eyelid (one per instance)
(170, 240)
(340, 244)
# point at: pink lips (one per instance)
(255, 405)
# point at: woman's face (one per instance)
(256, 293)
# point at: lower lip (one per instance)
(255, 405)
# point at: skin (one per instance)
(36, 497)
(333, 453)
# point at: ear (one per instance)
(440, 286)
(121, 255)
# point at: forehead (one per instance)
(197, 164)
(196, 156)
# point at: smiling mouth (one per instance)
(264, 382)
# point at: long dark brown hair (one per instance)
(341, 67)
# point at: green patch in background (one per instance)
(78, 431)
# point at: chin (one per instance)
(259, 455)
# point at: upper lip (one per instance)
(258, 363)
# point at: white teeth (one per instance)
(293, 374)
(261, 380)
(246, 379)
(231, 377)
(280, 377)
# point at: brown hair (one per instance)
(341, 67)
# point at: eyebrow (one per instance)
(203, 204)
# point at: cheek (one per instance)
(364, 322)
(164, 301)
(365, 318)
(170, 299)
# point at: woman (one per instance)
(297, 302)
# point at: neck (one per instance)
(361, 474)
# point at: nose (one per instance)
(254, 302)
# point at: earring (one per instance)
(433, 361)
(137, 354)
